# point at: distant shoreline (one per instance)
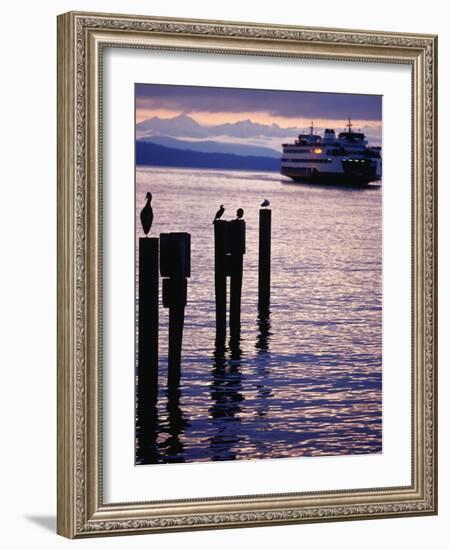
(150, 154)
(205, 168)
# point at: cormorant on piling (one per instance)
(146, 215)
(265, 203)
(240, 213)
(219, 213)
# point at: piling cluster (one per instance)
(172, 261)
(230, 247)
(168, 257)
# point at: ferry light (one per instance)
(318, 150)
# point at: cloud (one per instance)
(277, 103)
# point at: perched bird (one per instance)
(219, 213)
(265, 203)
(240, 213)
(146, 215)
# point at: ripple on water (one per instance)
(307, 380)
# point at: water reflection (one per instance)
(172, 446)
(146, 435)
(227, 397)
(263, 334)
(263, 372)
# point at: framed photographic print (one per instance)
(246, 274)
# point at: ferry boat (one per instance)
(328, 159)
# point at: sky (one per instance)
(211, 106)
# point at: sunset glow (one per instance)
(222, 117)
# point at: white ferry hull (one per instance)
(312, 175)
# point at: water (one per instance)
(307, 381)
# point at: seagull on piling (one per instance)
(146, 215)
(240, 213)
(265, 203)
(219, 213)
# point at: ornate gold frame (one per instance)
(81, 38)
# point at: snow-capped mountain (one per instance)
(185, 126)
(178, 126)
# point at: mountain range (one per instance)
(185, 126)
(182, 141)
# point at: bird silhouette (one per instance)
(219, 213)
(240, 213)
(265, 203)
(146, 215)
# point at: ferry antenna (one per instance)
(349, 124)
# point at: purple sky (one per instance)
(286, 104)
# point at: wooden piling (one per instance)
(175, 265)
(221, 270)
(230, 243)
(264, 259)
(237, 238)
(175, 255)
(148, 325)
(236, 296)
(174, 297)
(175, 331)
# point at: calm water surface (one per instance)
(307, 380)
